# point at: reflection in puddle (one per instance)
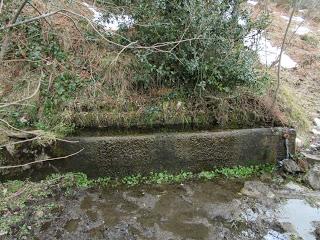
(301, 215)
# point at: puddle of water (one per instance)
(301, 215)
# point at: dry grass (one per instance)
(108, 96)
(300, 87)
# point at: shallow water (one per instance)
(201, 210)
(302, 215)
(194, 210)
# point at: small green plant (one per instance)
(214, 56)
(207, 175)
(132, 180)
(102, 182)
(237, 172)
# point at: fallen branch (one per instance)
(18, 142)
(14, 128)
(40, 161)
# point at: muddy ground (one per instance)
(266, 208)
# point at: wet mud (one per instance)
(224, 209)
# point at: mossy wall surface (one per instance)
(173, 152)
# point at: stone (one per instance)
(290, 166)
(317, 230)
(287, 227)
(257, 189)
(296, 187)
(313, 177)
(39, 214)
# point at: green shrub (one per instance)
(211, 54)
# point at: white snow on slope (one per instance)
(302, 30)
(252, 2)
(112, 23)
(296, 19)
(267, 53)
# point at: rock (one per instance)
(296, 187)
(39, 214)
(317, 230)
(303, 165)
(311, 158)
(290, 166)
(257, 189)
(286, 227)
(313, 177)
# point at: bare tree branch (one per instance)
(18, 142)
(6, 38)
(40, 161)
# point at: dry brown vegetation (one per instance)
(107, 96)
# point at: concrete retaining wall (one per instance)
(126, 155)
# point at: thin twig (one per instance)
(41, 161)
(18, 142)
(38, 11)
(14, 128)
(6, 38)
(280, 57)
(1, 5)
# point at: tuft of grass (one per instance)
(291, 106)
(208, 175)
(311, 40)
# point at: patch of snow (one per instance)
(267, 53)
(113, 23)
(252, 2)
(273, 235)
(242, 22)
(299, 142)
(296, 19)
(302, 30)
(315, 131)
(317, 122)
